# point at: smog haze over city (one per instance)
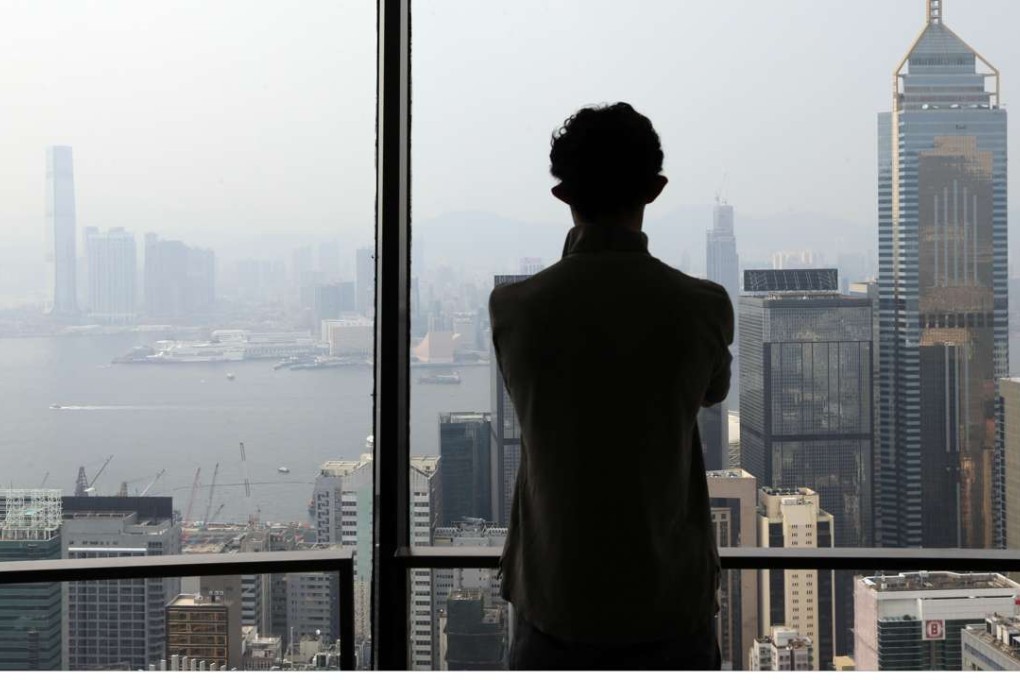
(248, 127)
(188, 300)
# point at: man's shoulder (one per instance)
(708, 291)
(513, 288)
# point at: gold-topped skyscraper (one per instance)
(943, 295)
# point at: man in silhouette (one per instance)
(608, 355)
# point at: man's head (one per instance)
(607, 159)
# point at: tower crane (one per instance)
(253, 518)
(153, 482)
(191, 496)
(212, 490)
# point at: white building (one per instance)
(801, 599)
(342, 506)
(349, 337)
(913, 621)
(784, 649)
(112, 275)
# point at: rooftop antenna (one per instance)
(720, 194)
(934, 11)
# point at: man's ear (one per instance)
(560, 192)
(658, 185)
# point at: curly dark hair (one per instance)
(606, 157)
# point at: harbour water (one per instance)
(184, 416)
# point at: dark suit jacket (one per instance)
(608, 355)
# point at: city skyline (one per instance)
(218, 196)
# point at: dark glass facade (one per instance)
(465, 444)
(30, 615)
(805, 401)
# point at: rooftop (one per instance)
(939, 580)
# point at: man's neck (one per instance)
(630, 221)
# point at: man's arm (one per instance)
(719, 386)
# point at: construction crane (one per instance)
(83, 487)
(253, 518)
(217, 513)
(153, 482)
(191, 496)
(212, 490)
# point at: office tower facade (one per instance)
(332, 301)
(914, 621)
(506, 430)
(723, 267)
(991, 646)
(364, 281)
(473, 633)
(313, 610)
(801, 599)
(806, 392)
(1008, 429)
(342, 506)
(112, 275)
(783, 649)
(61, 235)
(426, 508)
(179, 281)
(733, 495)
(201, 627)
(942, 200)
(118, 624)
(31, 635)
(465, 446)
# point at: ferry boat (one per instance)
(283, 469)
(440, 379)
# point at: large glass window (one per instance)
(767, 115)
(186, 311)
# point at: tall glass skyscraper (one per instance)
(806, 415)
(722, 267)
(942, 293)
(806, 392)
(61, 239)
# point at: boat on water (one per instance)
(55, 407)
(283, 469)
(440, 379)
(230, 376)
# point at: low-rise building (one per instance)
(993, 645)
(914, 621)
(784, 649)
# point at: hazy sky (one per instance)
(219, 121)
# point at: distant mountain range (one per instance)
(478, 241)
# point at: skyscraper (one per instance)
(465, 446)
(179, 281)
(806, 391)
(1009, 453)
(30, 614)
(112, 275)
(802, 599)
(61, 237)
(942, 288)
(723, 267)
(733, 495)
(506, 433)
